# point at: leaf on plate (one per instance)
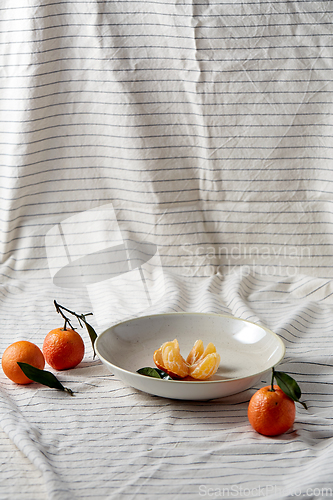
(163, 375)
(43, 377)
(289, 386)
(154, 372)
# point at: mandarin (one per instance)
(63, 349)
(200, 364)
(22, 351)
(271, 412)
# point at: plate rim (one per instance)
(192, 382)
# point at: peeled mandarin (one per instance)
(200, 364)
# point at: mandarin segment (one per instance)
(169, 359)
(209, 349)
(158, 360)
(173, 360)
(205, 367)
(195, 353)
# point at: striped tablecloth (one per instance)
(196, 137)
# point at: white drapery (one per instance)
(196, 137)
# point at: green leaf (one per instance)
(289, 386)
(92, 333)
(154, 372)
(43, 377)
(163, 375)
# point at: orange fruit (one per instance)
(271, 412)
(22, 351)
(200, 364)
(63, 349)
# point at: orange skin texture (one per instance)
(63, 349)
(22, 351)
(271, 413)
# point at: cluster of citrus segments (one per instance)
(200, 364)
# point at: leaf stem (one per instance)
(67, 320)
(81, 319)
(70, 392)
(272, 381)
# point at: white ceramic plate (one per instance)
(246, 349)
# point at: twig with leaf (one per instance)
(81, 319)
(288, 385)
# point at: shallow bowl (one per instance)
(247, 351)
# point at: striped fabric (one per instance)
(190, 143)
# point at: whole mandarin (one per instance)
(22, 351)
(271, 412)
(63, 349)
